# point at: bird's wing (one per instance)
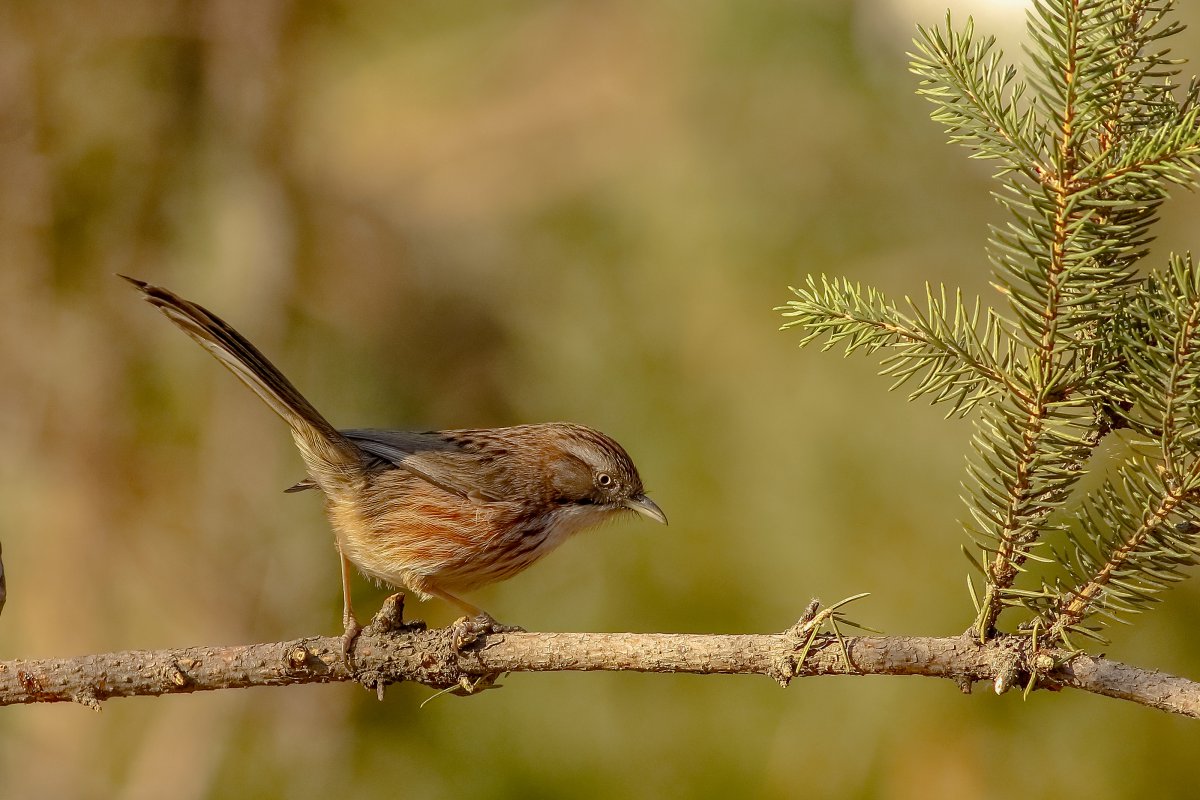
(442, 459)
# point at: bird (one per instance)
(438, 513)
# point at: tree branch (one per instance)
(389, 651)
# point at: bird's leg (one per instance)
(351, 628)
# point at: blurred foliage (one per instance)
(448, 214)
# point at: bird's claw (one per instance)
(468, 630)
(349, 637)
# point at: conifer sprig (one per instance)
(1135, 535)
(952, 352)
(1088, 144)
(978, 99)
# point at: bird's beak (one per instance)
(646, 507)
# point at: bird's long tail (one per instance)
(328, 454)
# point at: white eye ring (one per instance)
(604, 479)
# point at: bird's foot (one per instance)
(349, 637)
(388, 620)
(468, 630)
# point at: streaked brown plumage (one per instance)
(440, 512)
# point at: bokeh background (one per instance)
(441, 214)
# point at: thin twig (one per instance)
(429, 657)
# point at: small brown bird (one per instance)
(439, 512)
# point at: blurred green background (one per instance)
(440, 214)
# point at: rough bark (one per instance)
(455, 659)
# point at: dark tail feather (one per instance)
(3, 592)
(315, 437)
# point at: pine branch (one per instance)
(1140, 557)
(978, 100)
(1143, 76)
(1066, 263)
(1026, 465)
(1036, 442)
(1174, 303)
(1136, 534)
(1088, 145)
(945, 348)
(1171, 154)
(429, 657)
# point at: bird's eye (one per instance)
(604, 479)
